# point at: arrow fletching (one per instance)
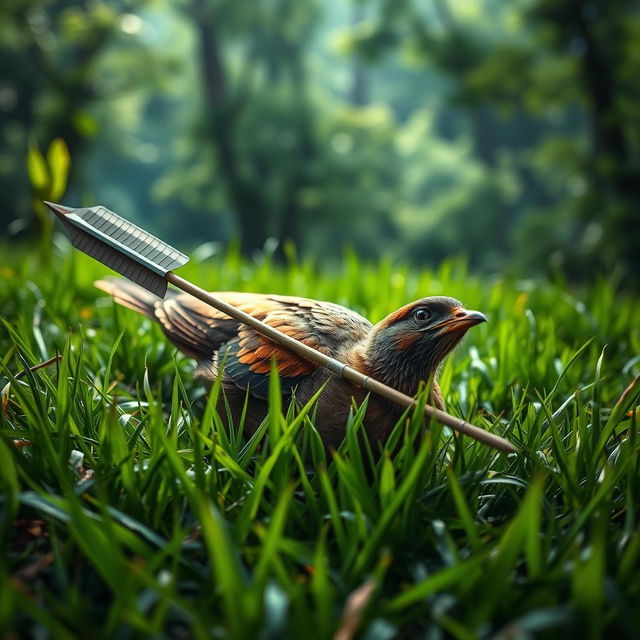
(120, 245)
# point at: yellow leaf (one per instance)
(37, 168)
(58, 160)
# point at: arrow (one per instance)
(149, 262)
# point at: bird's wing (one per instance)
(198, 329)
(327, 327)
(214, 338)
(211, 337)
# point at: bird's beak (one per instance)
(461, 320)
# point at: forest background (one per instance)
(507, 132)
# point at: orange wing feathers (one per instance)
(211, 337)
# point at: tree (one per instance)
(268, 45)
(53, 64)
(547, 87)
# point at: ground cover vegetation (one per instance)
(126, 510)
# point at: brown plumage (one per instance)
(402, 350)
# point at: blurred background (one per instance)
(506, 132)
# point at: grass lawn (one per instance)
(126, 510)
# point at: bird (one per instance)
(404, 350)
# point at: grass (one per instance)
(127, 510)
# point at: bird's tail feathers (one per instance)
(135, 297)
(129, 295)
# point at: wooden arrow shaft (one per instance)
(339, 368)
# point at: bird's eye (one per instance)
(421, 314)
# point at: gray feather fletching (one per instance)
(120, 245)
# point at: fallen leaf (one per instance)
(353, 608)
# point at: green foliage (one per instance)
(126, 508)
(532, 77)
(48, 177)
(506, 132)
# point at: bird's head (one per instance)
(409, 344)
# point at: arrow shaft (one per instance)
(339, 368)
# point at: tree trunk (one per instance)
(619, 182)
(359, 85)
(290, 221)
(607, 133)
(243, 194)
